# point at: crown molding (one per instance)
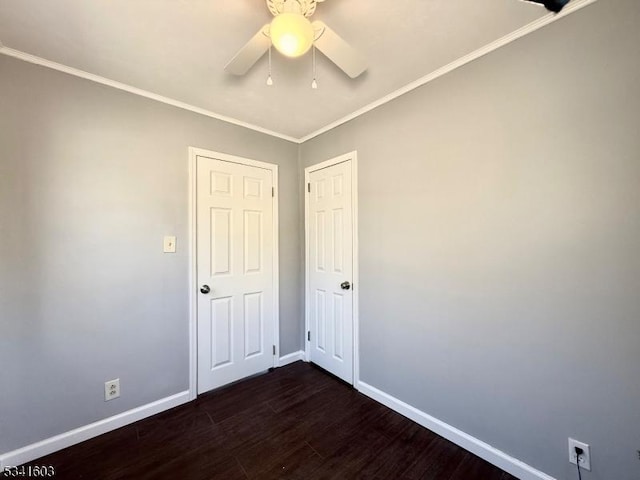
(572, 7)
(27, 57)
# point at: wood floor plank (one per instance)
(350, 458)
(268, 453)
(445, 461)
(249, 428)
(475, 467)
(295, 423)
(401, 452)
(438, 461)
(298, 464)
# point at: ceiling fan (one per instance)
(292, 34)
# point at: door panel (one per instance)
(221, 242)
(330, 257)
(235, 258)
(338, 326)
(221, 332)
(253, 241)
(253, 320)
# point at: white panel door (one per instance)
(330, 258)
(235, 255)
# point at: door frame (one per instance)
(194, 153)
(353, 157)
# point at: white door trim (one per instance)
(353, 157)
(194, 153)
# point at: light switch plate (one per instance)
(169, 244)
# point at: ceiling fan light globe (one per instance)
(292, 34)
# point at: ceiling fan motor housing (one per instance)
(301, 7)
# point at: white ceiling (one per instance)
(178, 49)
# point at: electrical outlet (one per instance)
(169, 244)
(585, 457)
(111, 389)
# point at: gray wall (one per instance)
(499, 243)
(91, 179)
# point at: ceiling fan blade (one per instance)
(249, 54)
(349, 60)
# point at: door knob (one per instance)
(345, 285)
(205, 289)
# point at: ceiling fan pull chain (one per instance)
(314, 83)
(269, 79)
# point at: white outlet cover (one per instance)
(169, 244)
(111, 389)
(585, 458)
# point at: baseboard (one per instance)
(72, 437)
(290, 358)
(483, 450)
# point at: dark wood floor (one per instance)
(295, 422)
